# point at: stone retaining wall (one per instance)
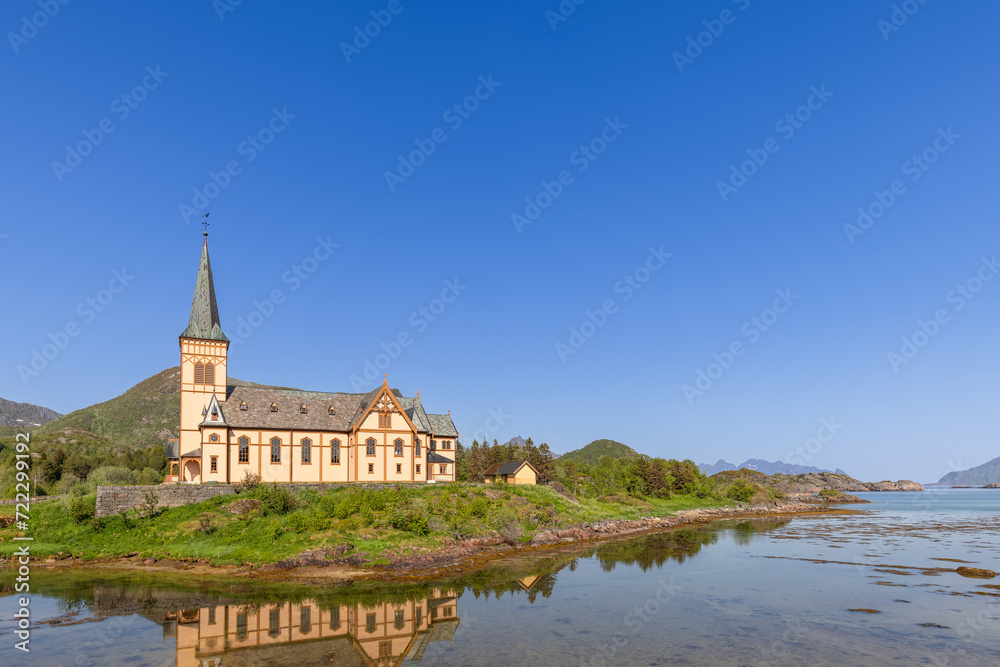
(112, 500)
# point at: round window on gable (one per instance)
(213, 438)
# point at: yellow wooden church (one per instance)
(288, 435)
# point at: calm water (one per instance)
(761, 592)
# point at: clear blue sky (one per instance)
(206, 85)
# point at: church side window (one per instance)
(398, 446)
(305, 620)
(275, 450)
(335, 451)
(306, 450)
(274, 623)
(416, 447)
(370, 446)
(244, 453)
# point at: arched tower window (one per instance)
(275, 450)
(199, 373)
(209, 373)
(306, 450)
(244, 455)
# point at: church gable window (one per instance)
(384, 420)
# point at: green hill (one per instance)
(589, 455)
(146, 415)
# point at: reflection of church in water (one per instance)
(276, 635)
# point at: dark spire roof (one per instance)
(204, 322)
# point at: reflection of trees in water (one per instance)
(655, 549)
(112, 595)
(743, 532)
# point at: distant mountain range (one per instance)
(988, 473)
(766, 467)
(24, 414)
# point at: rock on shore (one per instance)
(814, 482)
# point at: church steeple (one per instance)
(204, 321)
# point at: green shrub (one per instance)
(479, 507)
(275, 529)
(741, 491)
(297, 521)
(274, 499)
(113, 476)
(149, 476)
(82, 508)
(409, 521)
(366, 517)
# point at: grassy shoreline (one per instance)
(363, 527)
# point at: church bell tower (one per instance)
(204, 351)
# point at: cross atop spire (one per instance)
(205, 224)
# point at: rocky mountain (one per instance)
(24, 414)
(814, 482)
(766, 467)
(987, 473)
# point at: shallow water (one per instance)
(760, 592)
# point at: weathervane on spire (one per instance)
(205, 224)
